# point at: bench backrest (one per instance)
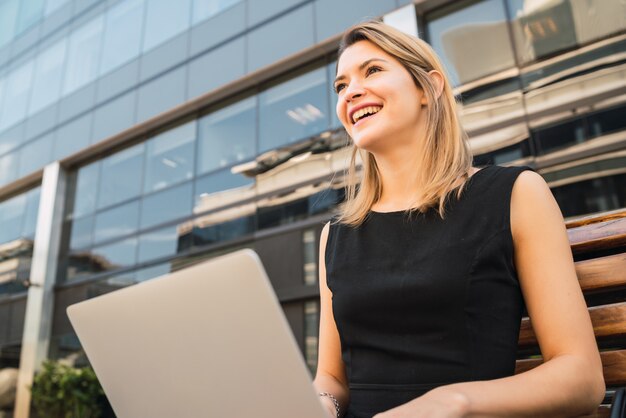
(599, 247)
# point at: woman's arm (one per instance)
(330, 376)
(570, 382)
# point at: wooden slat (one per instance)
(613, 366)
(592, 219)
(602, 272)
(607, 320)
(598, 236)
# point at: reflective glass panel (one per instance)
(334, 120)
(17, 92)
(227, 136)
(164, 20)
(294, 110)
(8, 20)
(160, 243)
(311, 332)
(86, 190)
(31, 11)
(11, 217)
(203, 9)
(591, 196)
(53, 5)
(163, 206)
(207, 190)
(152, 272)
(607, 121)
(30, 214)
(473, 41)
(49, 70)
(225, 231)
(117, 255)
(8, 168)
(116, 222)
(122, 36)
(309, 254)
(83, 55)
(35, 154)
(542, 27)
(121, 176)
(170, 157)
(81, 233)
(559, 136)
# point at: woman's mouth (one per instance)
(363, 117)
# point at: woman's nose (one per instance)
(353, 91)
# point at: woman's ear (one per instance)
(438, 82)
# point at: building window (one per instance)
(309, 249)
(311, 333)
(294, 110)
(472, 39)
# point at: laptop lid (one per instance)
(207, 341)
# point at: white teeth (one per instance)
(369, 110)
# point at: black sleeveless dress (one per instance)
(422, 302)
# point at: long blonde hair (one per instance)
(445, 153)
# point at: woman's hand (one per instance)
(438, 403)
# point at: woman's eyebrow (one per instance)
(363, 65)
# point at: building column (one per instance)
(39, 305)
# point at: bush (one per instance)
(61, 391)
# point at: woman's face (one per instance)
(370, 81)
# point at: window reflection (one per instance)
(309, 249)
(49, 70)
(152, 272)
(473, 41)
(119, 221)
(170, 157)
(591, 196)
(117, 255)
(29, 225)
(170, 204)
(294, 110)
(86, 190)
(227, 136)
(121, 176)
(81, 232)
(11, 212)
(164, 20)
(203, 9)
(335, 123)
(162, 242)
(122, 34)
(219, 189)
(224, 226)
(8, 20)
(311, 332)
(17, 92)
(83, 54)
(30, 13)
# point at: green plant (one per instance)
(61, 391)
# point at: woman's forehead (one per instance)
(358, 53)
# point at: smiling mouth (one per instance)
(365, 113)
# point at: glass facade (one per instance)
(183, 140)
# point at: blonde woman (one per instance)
(425, 271)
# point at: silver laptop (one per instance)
(207, 341)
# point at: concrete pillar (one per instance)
(39, 305)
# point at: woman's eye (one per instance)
(372, 69)
(339, 87)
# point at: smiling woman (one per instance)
(420, 314)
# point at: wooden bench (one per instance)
(599, 248)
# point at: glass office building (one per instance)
(138, 137)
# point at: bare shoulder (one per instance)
(533, 206)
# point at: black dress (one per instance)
(422, 302)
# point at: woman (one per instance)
(425, 272)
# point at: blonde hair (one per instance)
(445, 155)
